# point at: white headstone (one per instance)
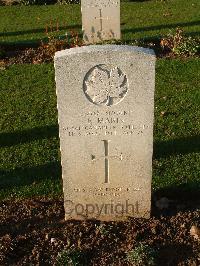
(105, 108)
(100, 20)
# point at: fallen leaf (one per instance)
(162, 113)
(167, 14)
(195, 232)
(53, 240)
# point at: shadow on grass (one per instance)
(189, 190)
(32, 31)
(161, 148)
(78, 26)
(34, 43)
(163, 26)
(177, 146)
(20, 137)
(27, 176)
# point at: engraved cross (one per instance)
(107, 161)
(101, 19)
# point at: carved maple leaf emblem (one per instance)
(106, 87)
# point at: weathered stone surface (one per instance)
(105, 107)
(100, 20)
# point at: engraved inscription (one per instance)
(105, 86)
(107, 191)
(107, 123)
(100, 3)
(106, 146)
(106, 157)
(101, 19)
(106, 130)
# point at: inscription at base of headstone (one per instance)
(105, 100)
(100, 20)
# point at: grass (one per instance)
(30, 158)
(177, 132)
(148, 19)
(29, 133)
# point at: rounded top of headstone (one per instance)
(106, 48)
(99, 3)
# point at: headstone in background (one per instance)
(100, 20)
(105, 108)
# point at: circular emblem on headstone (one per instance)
(105, 86)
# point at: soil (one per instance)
(25, 56)
(34, 232)
(44, 53)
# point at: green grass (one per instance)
(177, 132)
(149, 19)
(29, 133)
(30, 158)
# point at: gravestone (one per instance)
(100, 20)
(105, 107)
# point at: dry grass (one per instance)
(9, 2)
